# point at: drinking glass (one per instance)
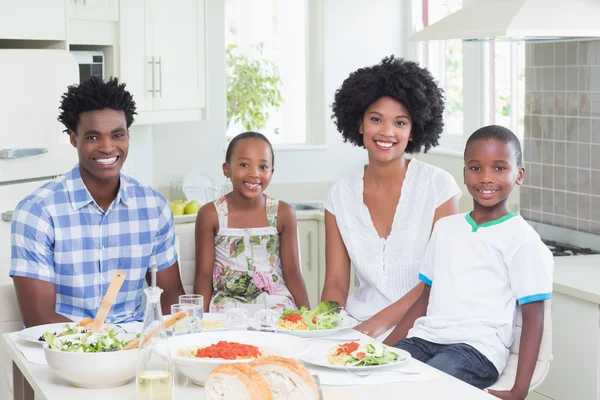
(237, 318)
(197, 300)
(184, 326)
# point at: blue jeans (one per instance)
(459, 360)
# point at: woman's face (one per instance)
(386, 128)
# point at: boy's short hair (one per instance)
(501, 134)
(95, 94)
(404, 81)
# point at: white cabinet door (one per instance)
(136, 51)
(308, 233)
(178, 43)
(32, 19)
(29, 124)
(575, 331)
(10, 196)
(99, 10)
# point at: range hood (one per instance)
(517, 20)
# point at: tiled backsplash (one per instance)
(562, 135)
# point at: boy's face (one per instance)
(491, 171)
(102, 142)
(250, 168)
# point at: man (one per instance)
(72, 234)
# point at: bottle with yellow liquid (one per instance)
(154, 377)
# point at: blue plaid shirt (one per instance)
(60, 235)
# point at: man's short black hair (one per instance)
(95, 94)
(406, 82)
(501, 134)
(247, 135)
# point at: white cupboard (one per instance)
(162, 57)
(308, 235)
(32, 19)
(99, 10)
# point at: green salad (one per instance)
(327, 315)
(362, 354)
(86, 343)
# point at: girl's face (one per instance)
(386, 128)
(250, 168)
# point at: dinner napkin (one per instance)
(34, 353)
(331, 377)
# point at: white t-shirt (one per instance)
(477, 275)
(386, 269)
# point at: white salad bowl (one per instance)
(94, 370)
(197, 369)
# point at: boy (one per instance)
(72, 234)
(477, 267)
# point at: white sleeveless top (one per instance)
(387, 269)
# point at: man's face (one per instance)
(102, 142)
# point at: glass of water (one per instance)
(184, 326)
(196, 300)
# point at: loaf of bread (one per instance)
(236, 382)
(287, 378)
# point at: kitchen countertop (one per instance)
(578, 276)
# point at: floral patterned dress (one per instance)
(247, 266)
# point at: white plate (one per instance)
(198, 369)
(195, 184)
(33, 334)
(347, 323)
(319, 355)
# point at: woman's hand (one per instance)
(507, 394)
(372, 327)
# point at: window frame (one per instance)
(478, 80)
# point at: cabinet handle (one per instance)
(159, 62)
(7, 215)
(309, 263)
(7, 154)
(152, 64)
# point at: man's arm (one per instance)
(417, 310)
(169, 281)
(531, 338)
(37, 301)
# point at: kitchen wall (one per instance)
(562, 135)
(178, 148)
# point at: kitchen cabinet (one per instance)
(162, 57)
(99, 10)
(576, 336)
(32, 20)
(308, 233)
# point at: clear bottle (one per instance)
(154, 377)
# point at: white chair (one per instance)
(10, 321)
(508, 376)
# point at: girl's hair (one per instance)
(404, 81)
(247, 135)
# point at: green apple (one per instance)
(177, 208)
(192, 207)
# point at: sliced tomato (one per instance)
(360, 355)
(314, 320)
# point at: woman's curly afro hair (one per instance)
(401, 80)
(95, 94)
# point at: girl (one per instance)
(246, 241)
(380, 217)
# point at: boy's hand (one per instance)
(507, 394)
(372, 327)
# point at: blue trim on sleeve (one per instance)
(425, 279)
(534, 297)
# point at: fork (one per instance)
(363, 374)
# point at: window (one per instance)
(484, 82)
(283, 29)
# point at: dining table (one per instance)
(36, 380)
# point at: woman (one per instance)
(380, 218)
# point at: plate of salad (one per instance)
(35, 334)
(362, 355)
(326, 319)
(89, 342)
